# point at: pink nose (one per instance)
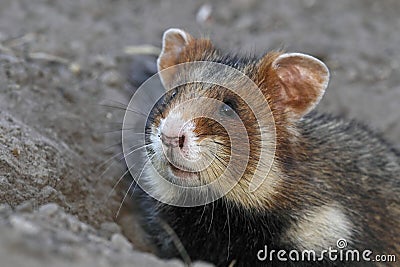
(175, 141)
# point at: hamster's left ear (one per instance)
(173, 42)
(301, 82)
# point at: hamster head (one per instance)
(206, 135)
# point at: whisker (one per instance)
(126, 106)
(229, 230)
(113, 123)
(212, 217)
(204, 209)
(114, 156)
(125, 109)
(129, 129)
(120, 130)
(123, 200)
(221, 144)
(133, 182)
(130, 152)
(120, 179)
(177, 242)
(117, 122)
(119, 143)
(117, 102)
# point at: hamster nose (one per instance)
(174, 141)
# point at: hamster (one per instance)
(332, 185)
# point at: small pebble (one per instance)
(111, 78)
(120, 242)
(16, 152)
(110, 227)
(68, 237)
(204, 14)
(23, 225)
(47, 191)
(49, 209)
(73, 224)
(75, 68)
(27, 206)
(96, 239)
(104, 61)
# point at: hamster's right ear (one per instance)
(300, 80)
(174, 41)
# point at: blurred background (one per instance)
(64, 63)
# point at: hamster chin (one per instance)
(178, 173)
(170, 173)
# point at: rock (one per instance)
(23, 225)
(27, 206)
(121, 242)
(109, 228)
(49, 209)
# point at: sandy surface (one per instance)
(60, 60)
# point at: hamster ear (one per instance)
(174, 41)
(303, 80)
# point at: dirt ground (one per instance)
(63, 62)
